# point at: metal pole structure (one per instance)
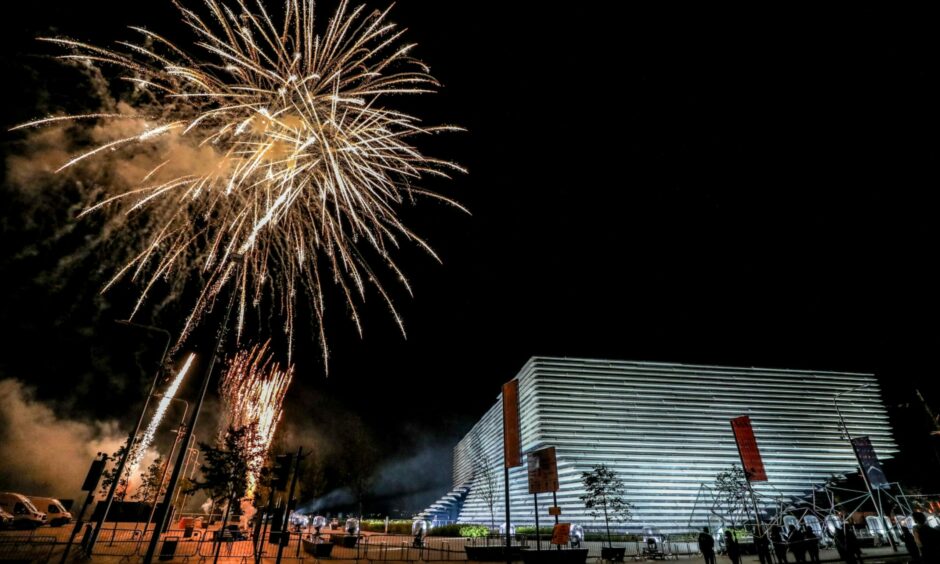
(555, 505)
(285, 525)
(78, 519)
(538, 538)
(194, 419)
(192, 458)
(871, 494)
(758, 528)
(508, 526)
(132, 437)
(166, 468)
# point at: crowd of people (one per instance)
(802, 544)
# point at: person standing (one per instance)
(812, 544)
(780, 547)
(928, 538)
(731, 545)
(852, 545)
(910, 543)
(797, 545)
(706, 544)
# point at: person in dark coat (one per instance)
(797, 544)
(812, 544)
(731, 545)
(780, 547)
(842, 547)
(927, 538)
(706, 543)
(763, 549)
(852, 545)
(910, 543)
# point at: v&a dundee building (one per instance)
(665, 429)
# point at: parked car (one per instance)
(6, 520)
(25, 514)
(56, 513)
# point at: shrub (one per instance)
(396, 527)
(459, 530)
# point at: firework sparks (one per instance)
(147, 438)
(292, 160)
(252, 391)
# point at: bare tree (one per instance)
(485, 479)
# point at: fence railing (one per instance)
(131, 544)
(29, 548)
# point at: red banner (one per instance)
(512, 452)
(747, 448)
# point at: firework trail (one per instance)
(252, 391)
(273, 143)
(137, 453)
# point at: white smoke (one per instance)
(42, 452)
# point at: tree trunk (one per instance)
(218, 541)
(610, 543)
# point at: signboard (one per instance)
(556, 511)
(543, 471)
(512, 453)
(869, 462)
(747, 448)
(561, 533)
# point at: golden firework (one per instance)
(269, 141)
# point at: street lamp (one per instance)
(846, 434)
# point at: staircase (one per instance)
(445, 510)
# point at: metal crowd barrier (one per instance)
(30, 548)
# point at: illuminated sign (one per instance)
(869, 462)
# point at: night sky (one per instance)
(669, 183)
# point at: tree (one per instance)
(604, 492)
(485, 479)
(225, 468)
(152, 484)
(731, 495)
(108, 476)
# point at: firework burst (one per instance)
(252, 391)
(273, 143)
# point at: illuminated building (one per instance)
(665, 429)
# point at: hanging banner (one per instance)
(747, 448)
(512, 452)
(869, 462)
(543, 471)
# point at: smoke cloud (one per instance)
(43, 453)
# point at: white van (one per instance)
(25, 514)
(55, 512)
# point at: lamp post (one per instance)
(132, 437)
(871, 493)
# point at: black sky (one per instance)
(668, 183)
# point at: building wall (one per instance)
(665, 428)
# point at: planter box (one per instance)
(614, 554)
(318, 549)
(554, 556)
(493, 553)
